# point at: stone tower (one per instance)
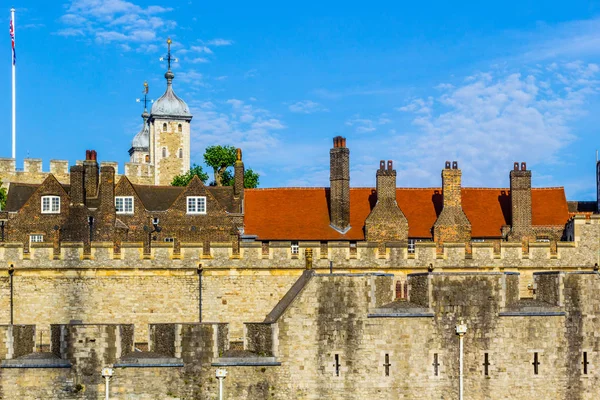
(169, 132)
(140, 145)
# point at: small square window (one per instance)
(37, 238)
(196, 204)
(124, 204)
(295, 248)
(411, 246)
(50, 204)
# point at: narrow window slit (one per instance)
(337, 365)
(535, 363)
(387, 365)
(486, 364)
(436, 364)
(585, 363)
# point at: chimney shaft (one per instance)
(238, 175)
(91, 173)
(452, 225)
(339, 185)
(520, 199)
(386, 222)
(77, 191)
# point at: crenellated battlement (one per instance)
(33, 172)
(581, 253)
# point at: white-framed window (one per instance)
(36, 238)
(50, 204)
(295, 248)
(196, 204)
(124, 204)
(411, 246)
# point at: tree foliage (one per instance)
(184, 179)
(2, 196)
(219, 158)
(251, 179)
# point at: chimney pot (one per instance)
(389, 165)
(447, 164)
(516, 166)
(381, 165)
(523, 166)
(454, 165)
(88, 155)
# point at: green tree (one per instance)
(184, 179)
(2, 196)
(219, 158)
(251, 179)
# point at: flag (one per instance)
(12, 38)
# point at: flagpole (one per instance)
(14, 93)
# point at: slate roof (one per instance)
(154, 198)
(303, 213)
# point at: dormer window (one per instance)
(165, 127)
(196, 204)
(124, 204)
(50, 204)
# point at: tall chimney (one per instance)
(238, 175)
(452, 225)
(77, 191)
(91, 173)
(520, 201)
(386, 222)
(339, 202)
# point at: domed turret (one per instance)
(169, 105)
(141, 141)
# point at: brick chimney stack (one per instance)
(386, 222)
(238, 175)
(77, 190)
(520, 200)
(339, 203)
(91, 173)
(452, 225)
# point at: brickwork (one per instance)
(520, 198)
(386, 222)
(452, 225)
(339, 192)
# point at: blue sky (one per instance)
(418, 83)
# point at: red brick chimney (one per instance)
(339, 192)
(91, 173)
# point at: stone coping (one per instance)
(354, 275)
(143, 362)
(465, 273)
(246, 362)
(402, 315)
(44, 360)
(532, 314)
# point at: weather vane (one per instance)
(169, 57)
(146, 100)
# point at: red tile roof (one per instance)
(303, 213)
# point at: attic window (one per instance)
(164, 127)
(124, 204)
(147, 158)
(50, 204)
(411, 246)
(180, 128)
(196, 204)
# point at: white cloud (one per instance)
(491, 120)
(198, 60)
(219, 42)
(109, 21)
(201, 49)
(306, 107)
(366, 125)
(239, 124)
